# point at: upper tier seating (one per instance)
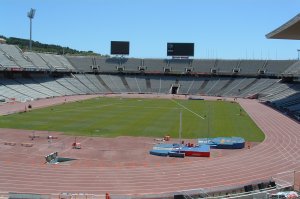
(15, 54)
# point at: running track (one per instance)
(279, 152)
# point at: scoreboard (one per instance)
(119, 48)
(180, 49)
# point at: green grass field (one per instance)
(112, 117)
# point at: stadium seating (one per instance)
(134, 84)
(275, 67)
(132, 64)
(82, 63)
(155, 65)
(72, 84)
(251, 67)
(179, 65)
(204, 65)
(15, 54)
(11, 94)
(95, 80)
(294, 69)
(214, 77)
(107, 64)
(227, 66)
(54, 62)
(53, 85)
(87, 83)
(37, 60)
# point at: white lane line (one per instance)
(187, 109)
(148, 107)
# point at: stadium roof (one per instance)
(289, 30)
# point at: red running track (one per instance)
(279, 152)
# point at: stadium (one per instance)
(101, 116)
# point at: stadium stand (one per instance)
(185, 84)
(37, 60)
(275, 67)
(17, 55)
(37, 87)
(134, 84)
(293, 70)
(6, 61)
(225, 78)
(74, 86)
(82, 63)
(51, 84)
(155, 65)
(87, 83)
(114, 82)
(227, 66)
(94, 79)
(204, 66)
(107, 64)
(52, 60)
(251, 67)
(257, 87)
(132, 64)
(64, 62)
(180, 65)
(231, 86)
(24, 90)
(10, 94)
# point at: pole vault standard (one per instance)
(180, 129)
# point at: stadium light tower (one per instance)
(30, 15)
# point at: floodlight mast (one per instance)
(30, 15)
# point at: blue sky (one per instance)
(219, 28)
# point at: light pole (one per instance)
(298, 50)
(30, 15)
